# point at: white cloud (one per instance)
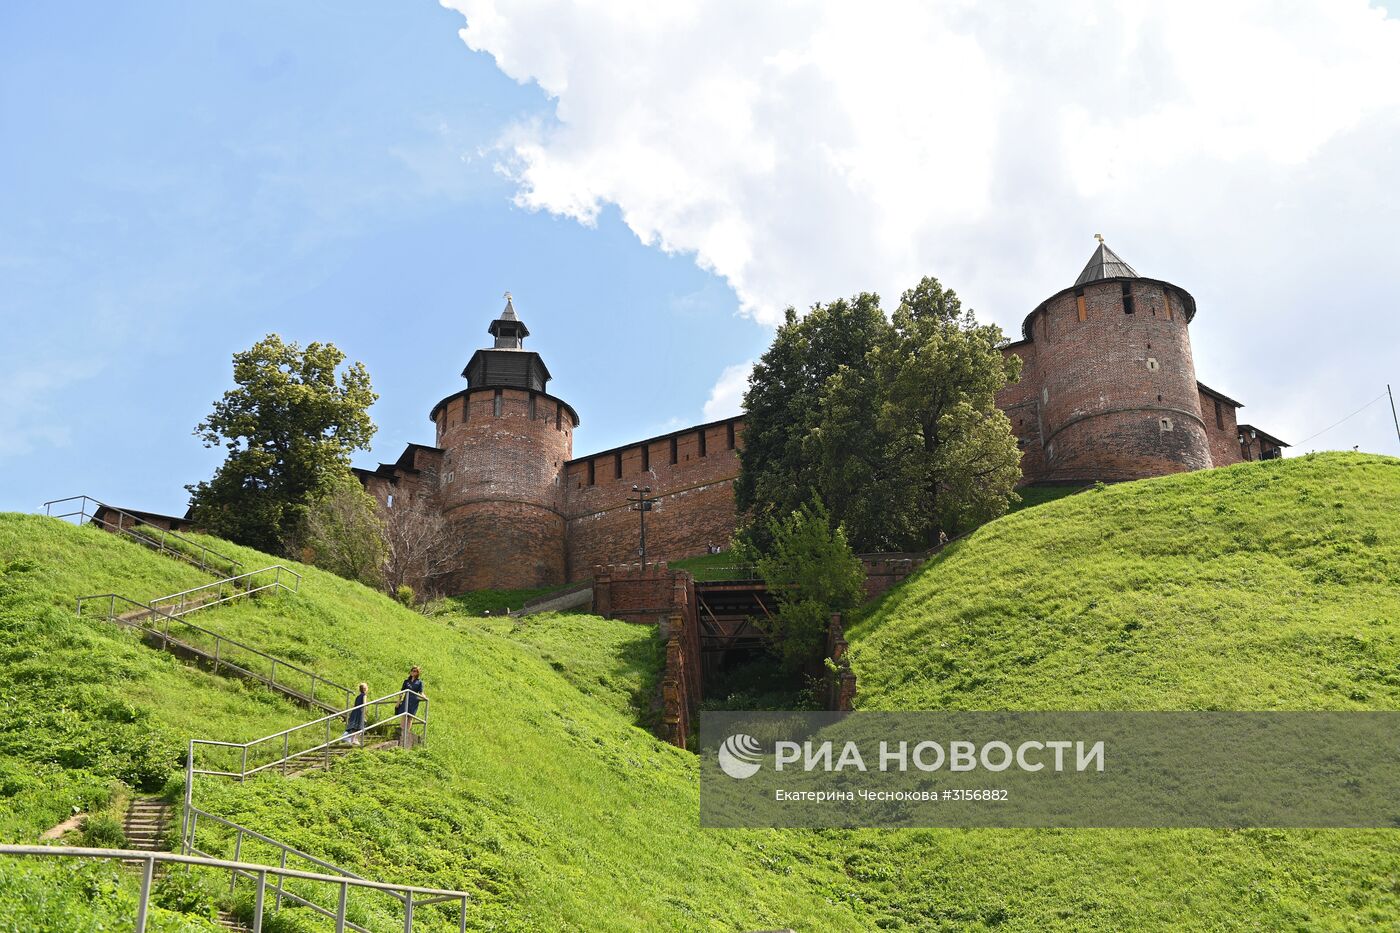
(807, 150)
(27, 420)
(727, 396)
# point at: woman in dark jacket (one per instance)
(408, 705)
(355, 722)
(413, 682)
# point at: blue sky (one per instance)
(654, 183)
(179, 181)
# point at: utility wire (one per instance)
(1347, 418)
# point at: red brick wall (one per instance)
(1224, 440)
(653, 594)
(695, 499)
(1107, 382)
(499, 482)
(1020, 401)
(883, 571)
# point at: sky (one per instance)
(655, 183)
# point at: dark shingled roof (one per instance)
(1105, 264)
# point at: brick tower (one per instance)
(505, 441)
(1109, 362)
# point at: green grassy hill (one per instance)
(1268, 585)
(537, 790)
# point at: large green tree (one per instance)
(289, 425)
(783, 404)
(894, 426)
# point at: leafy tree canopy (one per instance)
(892, 422)
(289, 425)
(813, 572)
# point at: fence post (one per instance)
(340, 908)
(277, 901)
(462, 921)
(326, 749)
(243, 765)
(237, 857)
(189, 795)
(258, 902)
(408, 912)
(148, 868)
(286, 750)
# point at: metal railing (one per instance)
(87, 508)
(733, 573)
(221, 591)
(410, 897)
(317, 738)
(221, 652)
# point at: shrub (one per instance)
(404, 594)
(188, 893)
(103, 831)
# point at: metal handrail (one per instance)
(145, 537)
(411, 896)
(189, 822)
(241, 832)
(406, 720)
(218, 658)
(218, 585)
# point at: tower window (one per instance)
(558, 417)
(1219, 416)
(591, 477)
(675, 452)
(466, 408)
(729, 434)
(701, 441)
(617, 466)
(389, 501)
(497, 404)
(1152, 364)
(1166, 424)
(1128, 298)
(1167, 301)
(1079, 303)
(646, 457)
(532, 406)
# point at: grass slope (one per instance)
(1262, 586)
(537, 791)
(1269, 585)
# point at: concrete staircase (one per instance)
(147, 820)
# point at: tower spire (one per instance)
(1105, 264)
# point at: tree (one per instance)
(344, 534)
(289, 426)
(810, 568)
(894, 426)
(783, 403)
(423, 550)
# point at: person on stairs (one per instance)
(408, 704)
(355, 722)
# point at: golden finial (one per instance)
(1099, 237)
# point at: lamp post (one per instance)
(642, 502)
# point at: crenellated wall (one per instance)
(691, 480)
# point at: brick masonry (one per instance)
(1108, 391)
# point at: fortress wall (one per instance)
(695, 497)
(1021, 402)
(1118, 390)
(1222, 430)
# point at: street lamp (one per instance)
(642, 502)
